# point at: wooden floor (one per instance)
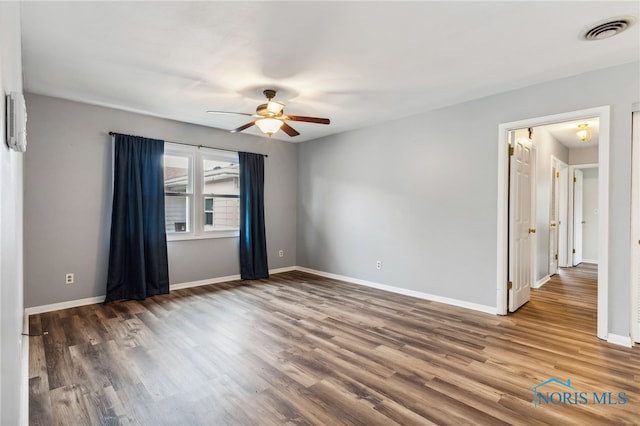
(300, 349)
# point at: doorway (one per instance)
(584, 211)
(503, 259)
(558, 210)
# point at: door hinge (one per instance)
(556, 256)
(573, 251)
(509, 285)
(575, 179)
(511, 150)
(557, 174)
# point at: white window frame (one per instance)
(196, 208)
(190, 192)
(208, 197)
(215, 155)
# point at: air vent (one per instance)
(608, 28)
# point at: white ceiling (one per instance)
(357, 63)
(565, 133)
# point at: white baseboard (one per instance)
(24, 373)
(617, 339)
(99, 299)
(403, 291)
(64, 305)
(281, 270)
(204, 282)
(592, 261)
(542, 281)
(224, 279)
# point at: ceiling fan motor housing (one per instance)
(263, 110)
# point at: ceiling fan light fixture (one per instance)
(269, 125)
(584, 133)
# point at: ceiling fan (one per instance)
(270, 117)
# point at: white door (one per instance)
(553, 219)
(578, 222)
(563, 206)
(521, 233)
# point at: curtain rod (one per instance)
(188, 144)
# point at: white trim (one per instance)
(542, 281)
(403, 291)
(503, 220)
(281, 270)
(617, 339)
(99, 299)
(228, 278)
(24, 370)
(64, 305)
(635, 226)
(603, 223)
(218, 280)
(603, 114)
(591, 261)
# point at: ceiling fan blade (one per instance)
(241, 128)
(307, 119)
(289, 130)
(230, 112)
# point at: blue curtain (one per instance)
(138, 265)
(253, 242)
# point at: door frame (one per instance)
(603, 114)
(635, 226)
(570, 217)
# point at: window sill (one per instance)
(205, 236)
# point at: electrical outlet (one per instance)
(69, 278)
(379, 264)
(281, 253)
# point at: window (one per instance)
(202, 192)
(221, 192)
(178, 192)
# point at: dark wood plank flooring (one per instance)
(301, 349)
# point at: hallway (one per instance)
(568, 300)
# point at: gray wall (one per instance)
(590, 215)
(11, 227)
(68, 199)
(546, 146)
(583, 156)
(420, 193)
